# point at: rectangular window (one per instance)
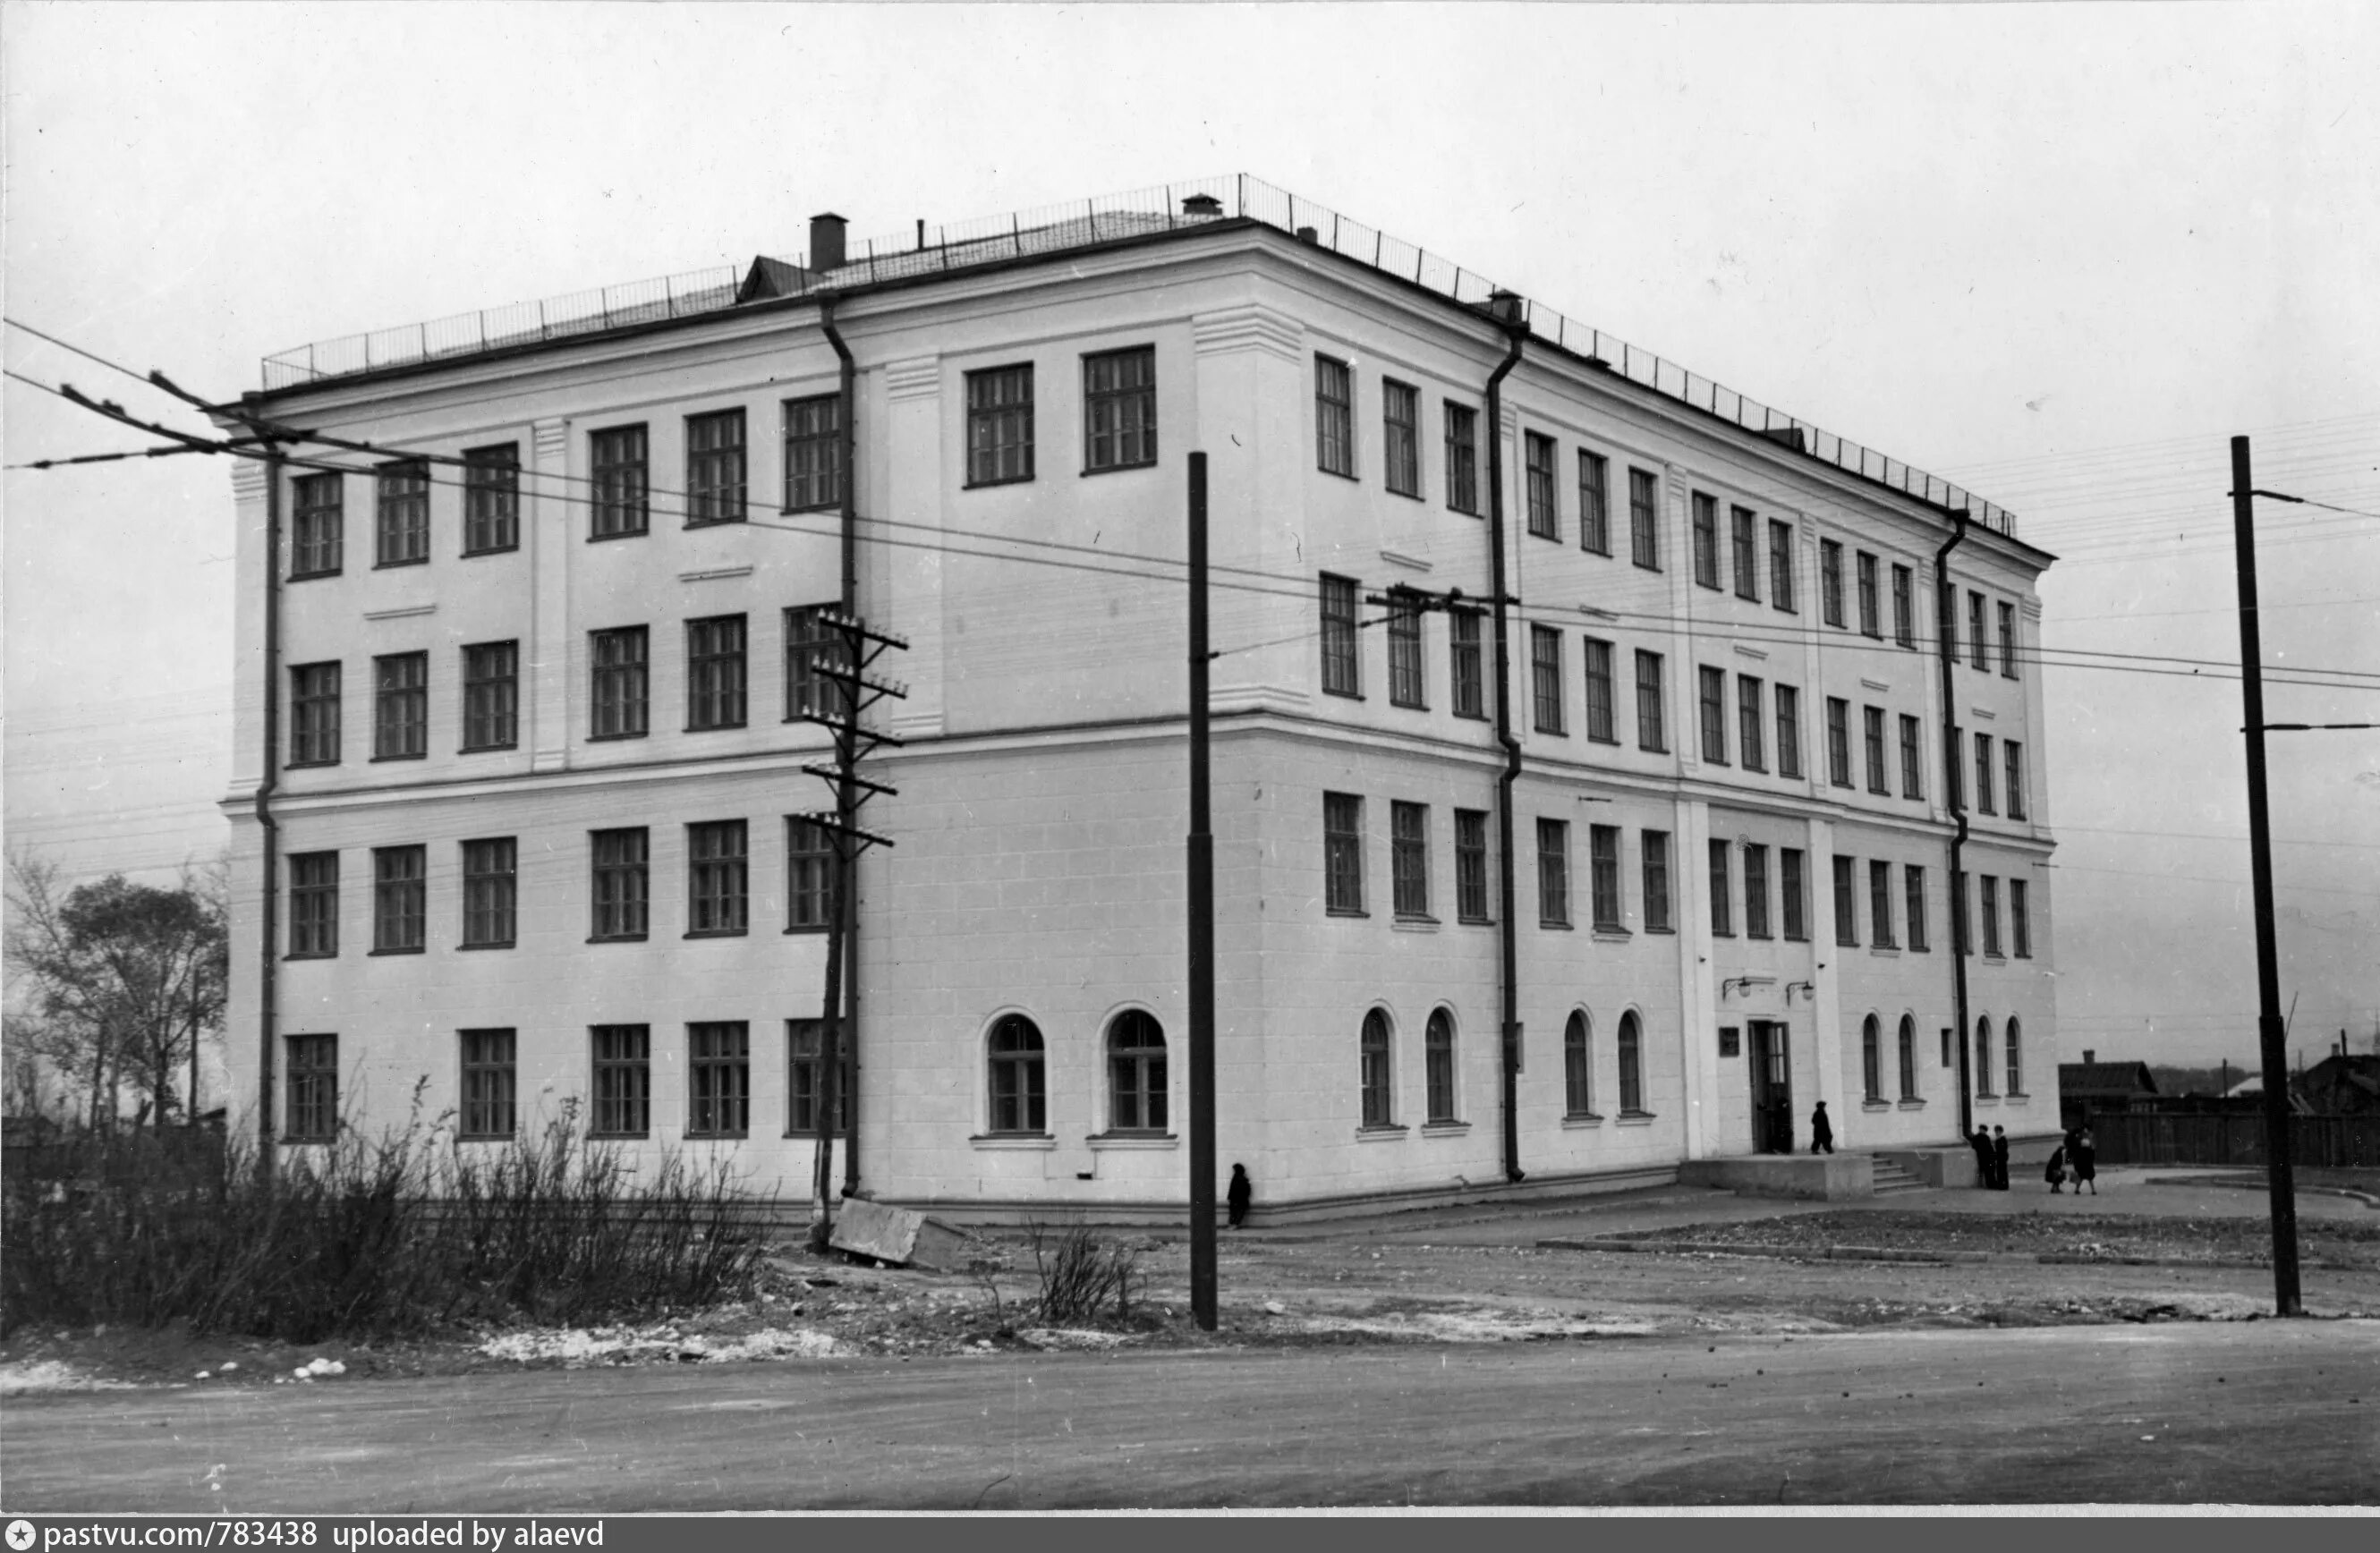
(2008, 640)
(2020, 919)
(1119, 410)
(1537, 454)
(1912, 759)
(399, 881)
(1991, 912)
(809, 871)
(809, 642)
(1979, 650)
(1751, 724)
(1713, 682)
(489, 1085)
(1984, 774)
(623, 486)
(1946, 620)
(1401, 436)
(1879, 904)
(313, 1109)
(1913, 889)
(623, 1080)
(1905, 607)
(1793, 893)
(491, 889)
(1846, 902)
(1546, 677)
(1781, 566)
(1594, 503)
(403, 527)
(1706, 539)
(1756, 891)
(1722, 889)
(617, 694)
(1839, 741)
(401, 706)
(715, 878)
(621, 892)
(1871, 618)
(1553, 873)
(714, 673)
(314, 714)
(814, 453)
(1334, 417)
(1464, 671)
(1409, 858)
(1657, 881)
(1788, 731)
(1462, 458)
(1601, 718)
(491, 499)
(1340, 670)
(313, 904)
(1603, 877)
(1830, 581)
(1747, 553)
(1651, 735)
(1000, 425)
(491, 696)
(1342, 853)
(317, 526)
(1951, 778)
(806, 1076)
(2012, 760)
(714, 468)
(1471, 865)
(1872, 731)
(1643, 520)
(1961, 943)
(1404, 650)
(719, 1075)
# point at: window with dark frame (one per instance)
(1650, 734)
(1578, 1067)
(715, 878)
(1879, 904)
(1788, 731)
(1713, 703)
(1409, 858)
(1334, 417)
(814, 453)
(1018, 1084)
(617, 697)
(2012, 1046)
(805, 1078)
(1908, 1058)
(489, 1084)
(2020, 920)
(1871, 620)
(402, 525)
(314, 714)
(1705, 533)
(1546, 679)
(1119, 410)
(1872, 736)
(1945, 619)
(2008, 641)
(1781, 566)
(1913, 889)
(401, 706)
(1839, 741)
(1952, 763)
(1872, 1060)
(1905, 607)
(490, 892)
(1631, 1064)
(1643, 520)
(1603, 880)
(1137, 1088)
(1537, 459)
(1464, 678)
(1984, 774)
(313, 1113)
(1721, 884)
(714, 673)
(809, 642)
(1751, 725)
(1000, 425)
(1983, 1069)
(1913, 758)
(1378, 1093)
(1793, 893)
(1342, 853)
(1601, 713)
(1756, 891)
(317, 526)
(313, 905)
(1404, 650)
(1830, 581)
(810, 872)
(1462, 458)
(622, 481)
(491, 499)
(1979, 651)
(2013, 759)
(719, 1079)
(1989, 906)
(1594, 503)
(623, 1080)
(1962, 942)
(1438, 1068)
(1846, 901)
(399, 885)
(1746, 525)
(714, 469)
(1553, 873)
(1400, 437)
(1340, 672)
(622, 894)
(1471, 865)
(1656, 880)
(491, 696)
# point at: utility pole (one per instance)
(2273, 1033)
(1202, 929)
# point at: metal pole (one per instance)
(1202, 930)
(2269, 1027)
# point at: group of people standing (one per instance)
(1991, 1159)
(2075, 1159)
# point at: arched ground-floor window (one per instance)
(1135, 1072)
(1631, 1064)
(1019, 1101)
(1578, 1067)
(1378, 1108)
(1438, 1053)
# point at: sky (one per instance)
(2058, 254)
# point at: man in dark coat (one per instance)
(1241, 1193)
(1982, 1144)
(2000, 1159)
(1822, 1132)
(2084, 1157)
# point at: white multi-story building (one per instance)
(521, 731)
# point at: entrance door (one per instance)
(1772, 1088)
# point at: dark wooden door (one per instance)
(1772, 1088)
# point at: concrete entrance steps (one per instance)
(1891, 1175)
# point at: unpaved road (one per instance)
(2256, 1413)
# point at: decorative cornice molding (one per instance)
(1761, 653)
(401, 612)
(918, 378)
(1410, 562)
(1985, 713)
(1225, 699)
(714, 574)
(1877, 684)
(549, 440)
(1251, 327)
(248, 479)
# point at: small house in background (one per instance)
(2340, 1085)
(2092, 1086)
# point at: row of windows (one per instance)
(716, 889)
(619, 688)
(1871, 1058)
(1881, 908)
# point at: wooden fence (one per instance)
(2134, 1138)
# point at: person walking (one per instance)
(2084, 1157)
(2000, 1159)
(1982, 1144)
(1822, 1132)
(1240, 1194)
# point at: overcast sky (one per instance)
(2057, 253)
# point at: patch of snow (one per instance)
(53, 1374)
(1476, 1326)
(1071, 1337)
(581, 1345)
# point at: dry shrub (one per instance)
(1081, 1273)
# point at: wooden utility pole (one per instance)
(1202, 929)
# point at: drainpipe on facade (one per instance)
(270, 917)
(1944, 602)
(847, 909)
(1517, 333)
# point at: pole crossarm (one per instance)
(834, 774)
(826, 821)
(827, 662)
(848, 625)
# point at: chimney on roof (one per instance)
(1201, 204)
(2089, 1055)
(1504, 306)
(826, 241)
(1309, 235)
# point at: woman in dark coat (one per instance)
(1240, 1194)
(2055, 1172)
(1982, 1144)
(2000, 1159)
(2084, 1157)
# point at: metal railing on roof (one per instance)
(933, 249)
